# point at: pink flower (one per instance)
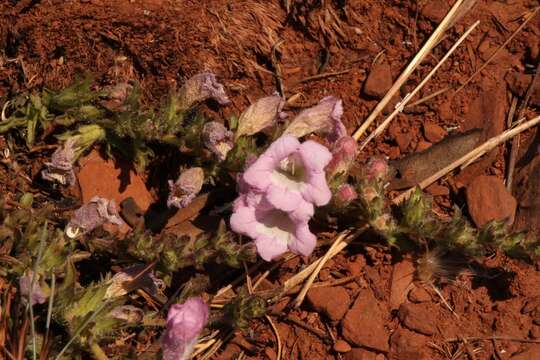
(202, 87)
(183, 191)
(262, 114)
(184, 323)
(291, 174)
(323, 118)
(60, 168)
(272, 230)
(217, 139)
(343, 155)
(93, 214)
(345, 194)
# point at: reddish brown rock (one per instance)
(519, 83)
(379, 80)
(418, 295)
(402, 278)
(435, 10)
(363, 325)
(488, 199)
(418, 317)
(437, 190)
(433, 132)
(422, 145)
(360, 354)
(406, 344)
(331, 302)
(342, 346)
(403, 139)
(532, 353)
(356, 265)
(100, 177)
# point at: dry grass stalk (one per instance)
(341, 242)
(476, 153)
(515, 142)
(278, 339)
(418, 58)
(399, 108)
(528, 18)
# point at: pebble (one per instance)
(488, 199)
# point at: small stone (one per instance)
(418, 317)
(435, 10)
(422, 145)
(379, 80)
(356, 266)
(438, 190)
(332, 302)
(519, 83)
(403, 139)
(342, 346)
(406, 344)
(363, 325)
(488, 199)
(433, 132)
(360, 354)
(419, 295)
(402, 278)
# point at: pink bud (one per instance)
(343, 155)
(184, 323)
(377, 168)
(345, 194)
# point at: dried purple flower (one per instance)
(217, 139)
(60, 168)
(38, 295)
(184, 190)
(323, 118)
(202, 87)
(133, 277)
(128, 313)
(91, 215)
(184, 323)
(260, 115)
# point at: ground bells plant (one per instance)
(257, 185)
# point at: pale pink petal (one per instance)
(270, 248)
(305, 241)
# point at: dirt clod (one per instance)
(360, 354)
(363, 323)
(342, 346)
(379, 80)
(331, 302)
(418, 317)
(433, 132)
(488, 199)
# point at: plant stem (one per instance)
(97, 351)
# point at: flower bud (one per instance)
(184, 190)
(343, 155)
(377, 168)
(184, 323)
(38, 296)
(344, 195)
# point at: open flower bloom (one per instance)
(38, 296)
(60, 168)
(344, 153)
(91, 215)
(260, 115)
(184, 323)
(273, 231)
(202, 87)
(217, 139)
(183, 191)
(323, 118)
(291, 174)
